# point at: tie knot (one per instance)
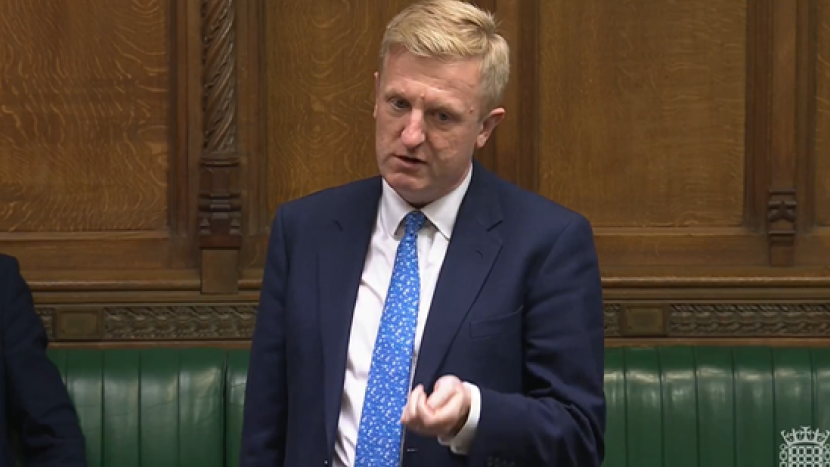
(414, 221)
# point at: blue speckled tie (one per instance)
(379, 436)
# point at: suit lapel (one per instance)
(473, 249)
(342, 252)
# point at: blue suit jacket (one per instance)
(517, 311)
(34, 404)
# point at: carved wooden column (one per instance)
(783, 156)
(220, 235)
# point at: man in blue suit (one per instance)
(436, 315)
(34, 404)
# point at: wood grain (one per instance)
(783, 160)
(667, 123)
(515, 142)
(642, 111)
(821, 205)
(219, 198)
(321, 93)
(84, 122)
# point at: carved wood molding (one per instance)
(722, 320)
(149, 322)
(195, 322)
(611, 317)
(781, 226)
(750, 320)
(219, 195)
(179, 322)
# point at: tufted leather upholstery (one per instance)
(667, 407)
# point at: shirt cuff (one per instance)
(462, 442)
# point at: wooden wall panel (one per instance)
(812, 132)
(145, 146)
(85, 136)
(641, 116)
(321, 93)
(821, 175)
(95, 185)
(642, 111)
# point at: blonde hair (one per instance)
(452, 30)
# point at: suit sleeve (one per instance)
(264, 425)
(560, 418)
(40, 408)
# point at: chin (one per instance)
(411, 189)
(405, 183)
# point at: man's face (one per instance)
(428, 122)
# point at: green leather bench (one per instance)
(157, 407)
(713, 406)
(667, 406)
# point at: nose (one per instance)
(413, 133)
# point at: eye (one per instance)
(399, 104)
(443, 116)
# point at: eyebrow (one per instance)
(458, 111)
(441, 105)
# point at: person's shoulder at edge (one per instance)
(9, 267)
(7, 262)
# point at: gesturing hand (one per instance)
(443, 413)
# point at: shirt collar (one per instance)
(442, 212)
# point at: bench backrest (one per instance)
(667, 406)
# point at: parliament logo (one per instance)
(805, 448)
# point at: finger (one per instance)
(415, 399)
(446, 418)
(405, 413)
(423, 414)
(441, 394)
(449, 410)
(421, 409)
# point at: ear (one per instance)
(377, 93)
(490, 122)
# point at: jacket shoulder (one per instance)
(329, 202)
(533, 211)
(9, 266)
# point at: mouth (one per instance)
(410, 160)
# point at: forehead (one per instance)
(432, 79)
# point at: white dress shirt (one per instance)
(433, 240)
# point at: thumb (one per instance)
(446, 380)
